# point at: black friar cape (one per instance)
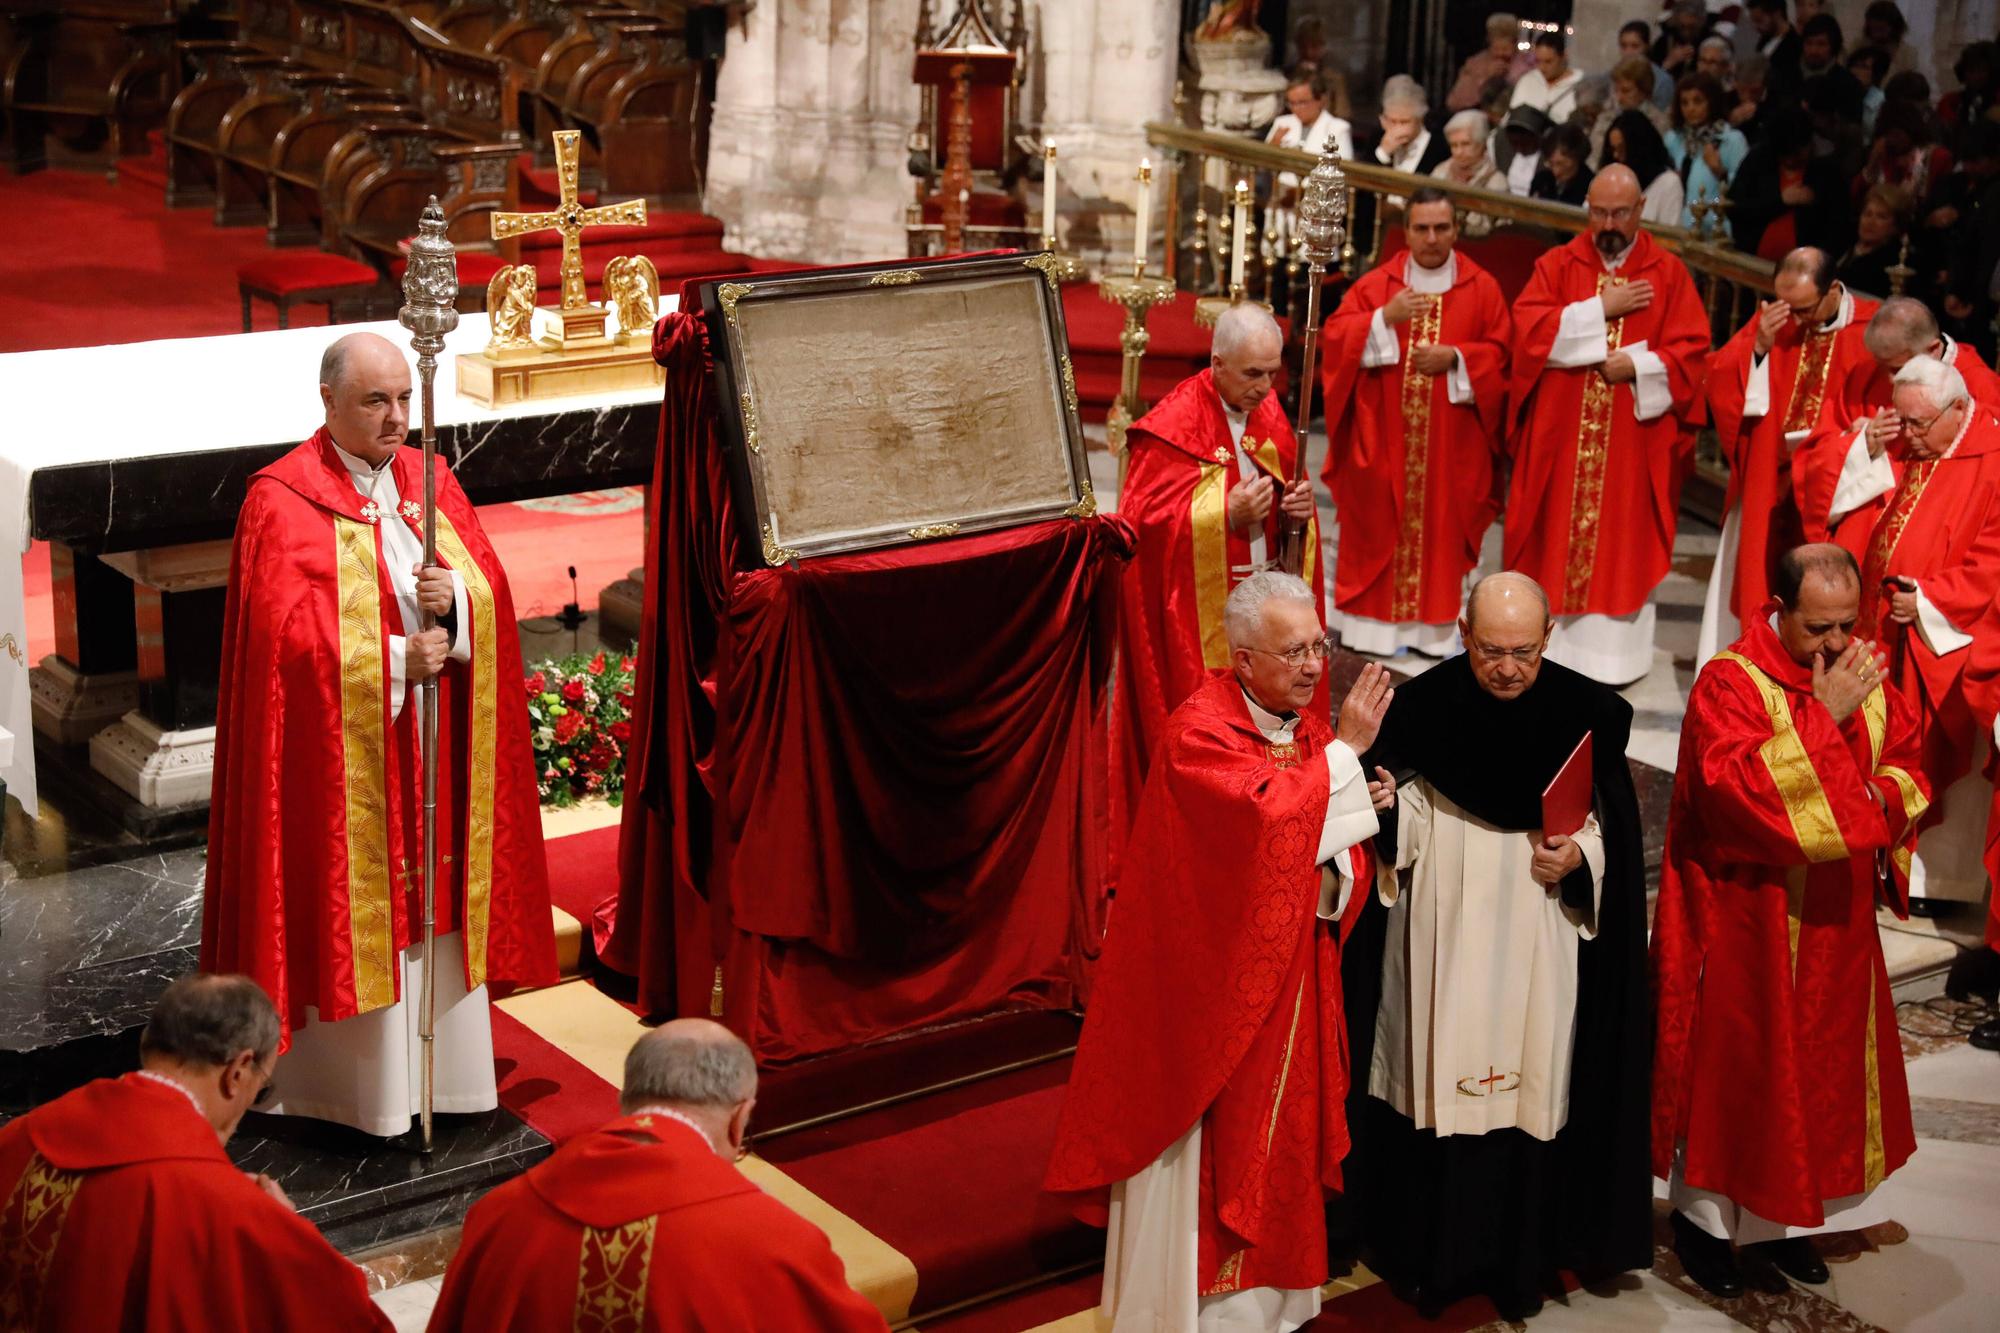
(1504, 1211)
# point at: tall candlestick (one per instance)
(1049, 191)
(1145, 210)
(1242, 231)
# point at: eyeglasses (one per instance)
(1611, 214)
(1318, 650)
(1915, 427)
(1525, 656)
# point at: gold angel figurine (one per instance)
(632, 287)
(510, 301)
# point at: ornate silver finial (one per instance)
(1322, 212)
(430, 284)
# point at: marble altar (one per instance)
(131, 460)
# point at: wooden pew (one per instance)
(635, 100)
(93, 76)
(303, 150)
(219, 76)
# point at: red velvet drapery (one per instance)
(866, 786)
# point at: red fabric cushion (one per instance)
(300, 271)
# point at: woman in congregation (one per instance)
(1886, 214)
(1633, 141)
(1704, 147)
(1565, 175)
(1471, 164)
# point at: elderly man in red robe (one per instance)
(1779, 1101)
(1925, 523)
(1611, 348)
(1766, 388)
(1416, 388)
(1209, 495)
(1204, 1121)
(646, 1224)
(121, 1209)
(314, 848)
(1837, 474)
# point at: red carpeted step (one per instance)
(540, 187)
(582, 869)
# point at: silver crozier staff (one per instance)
(430, 310)
(1322, 227)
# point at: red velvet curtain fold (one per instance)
(868, 787)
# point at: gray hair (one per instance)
(1720, 42)
(1944, 385)
(1243, 323)
(1404, 91)
(209, 1019)
(1903, 325)
(676, 1069)
(1243, 612)
(1496, 24)
(333, 362)
(1473, 122)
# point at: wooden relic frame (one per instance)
(874, 406)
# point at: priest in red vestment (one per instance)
(1779, 1097)
(1416, 389)
(1766, 387)
(1858, 427)
(1612, 344)
(645, 1224)
(122, 1211)
(314, 861)
(1204, 1123)
(1207, 493)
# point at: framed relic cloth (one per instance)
(870, 407)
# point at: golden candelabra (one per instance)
(1138, 295)
(1900, 272)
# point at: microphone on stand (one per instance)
(572, 616)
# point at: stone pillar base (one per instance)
(620, 606)
(159, 769)
(70, 707)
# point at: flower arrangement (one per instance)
(580, 720)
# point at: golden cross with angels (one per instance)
(578, 317)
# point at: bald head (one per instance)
(1506, 629)
(364, 383)
(1901, 329)
(1614, 201)
(1510, 600)
(1617, 186)
(356, 353)
(1809, 264)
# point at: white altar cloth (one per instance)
(175, 396)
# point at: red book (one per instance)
(1566, 800)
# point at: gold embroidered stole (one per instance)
(1809, 385)
(482, 745)
(1883, 541)
(1208, 520)
(31, 1228)
(1593, 446)
(1408, 566)
(614, 1267)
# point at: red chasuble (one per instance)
(1817, 465)
(1777, 1058)
(1596, 493)
(1412, 473)
(314, 878)
(121, 1210)
(1176, 497)
(639, 1227)
(1218, 1000)
(1806, 369)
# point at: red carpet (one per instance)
(583, 869)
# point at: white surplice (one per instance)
(1477, 1023)
(1153, 1241)
(365, 1071)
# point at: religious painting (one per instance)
(878, 406)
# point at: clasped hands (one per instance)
(1250, 503)
(1361, 715)
(426, 651)
(1852, 677)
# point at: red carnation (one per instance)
(537, 684)
(567, 726)
(625, 700)
(572, 692)
(596, 667)
(621, 732)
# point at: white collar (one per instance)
(670, 1113)
(1440, 279)
(1267, 721)
(1971, 410)
(361, 467)
(1841, 317)
(177, 1086)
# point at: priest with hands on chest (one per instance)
(1209, 494)
(1416, 387)
(1203, 1123)
(315, 849)
(1498, 1006)
(1611, 349)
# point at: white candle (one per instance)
(1241, 243)
(1049, 190)
(1145, 216)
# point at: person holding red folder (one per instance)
(1498, 1008)
(1779, 1096)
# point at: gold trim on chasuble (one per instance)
(1875, 711)
(30, 1230)
(482, 747)
(1211, 561)
(365, 751)
(614, 1265)
(1593, 446)
(1229, 1275)
(1791, 769)
(1815, 360)
(1408, 563)
(1267, 454)
(1887, 536)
